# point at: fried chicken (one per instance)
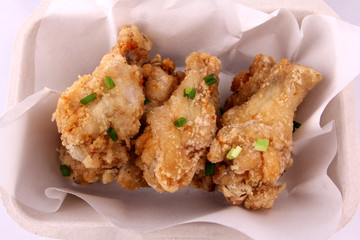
(88, 129)
(160, 80)
(250, 177)
(84, 176)
(202, 181)
(159, 83)
(171, 155)
(246, 83)
(130, 176)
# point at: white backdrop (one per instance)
(14, 12)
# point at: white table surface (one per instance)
(14, 12)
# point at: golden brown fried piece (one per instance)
(84, 176)
(84, 127)
(203, 182)
(159, 82)
(247, 83)
(130, 176)
(133, 45)
(251, 177)
(169, 155)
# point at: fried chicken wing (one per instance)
(85, 127)
(171, 155)
(79, 174)
(246, 83)
(250, 177)
(159, 83)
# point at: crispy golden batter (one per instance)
(84, 128)
(246, 83)
(159, 82)
(170, 155)
(84, 176)
(251, 178)
(130, 176)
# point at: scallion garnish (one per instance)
(209, 168)
(65, 171)
(233, 153)
(112, 133)
(210, 79)
(109, 83)
(296, 125)
(89, 98)
(262, 144)
(189, 92)
(146, 100)
(180, 122)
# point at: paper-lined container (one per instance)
(77, 220)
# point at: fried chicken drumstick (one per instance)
(99, 113)
(160, 80)
(246, 175)
(174, 144)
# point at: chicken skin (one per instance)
(99, 114)
(160, 80)
(250, 176)
(246, 83)
(173, 146)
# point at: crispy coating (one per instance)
(251, 178)
(130, 176)
(133, 45)
(160, 80)
(246, 83)
(203, 182)
(159, 83)
(168, 155)
(84, 176)
(84, 128)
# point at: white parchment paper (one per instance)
(73, 37)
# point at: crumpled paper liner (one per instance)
(311, 203)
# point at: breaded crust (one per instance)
(84, 127)
(169, 155)
(251, 177)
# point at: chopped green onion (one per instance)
(233, 153)
(209, 76)
(112, 133)
(109, 83)
(65, 170)
(296, 125)
(209, 168)
(180, 122)
(210, 79)
(189, 92)
(262, 144)
(146, 100)
(89, 98)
